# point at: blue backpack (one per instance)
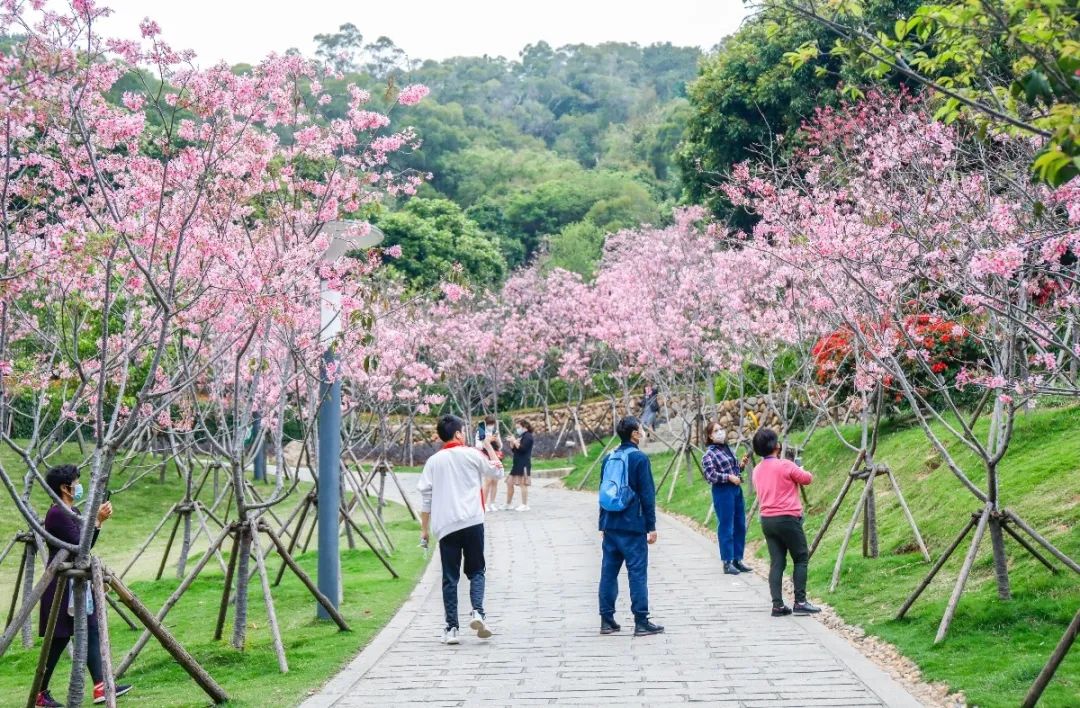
(615, 491)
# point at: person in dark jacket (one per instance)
(62, 521)
(627, 536)
(650, 409)
(724, 472)
(521, 444)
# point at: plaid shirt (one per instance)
(718, 461)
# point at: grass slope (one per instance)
(315, 650)
(994, 649)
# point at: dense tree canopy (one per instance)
(528, 147)
(749, 94)
(434, 235)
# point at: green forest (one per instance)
(537, 157)
(540, 157)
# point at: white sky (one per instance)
(246, 30)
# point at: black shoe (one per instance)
(608, 625)
(647, 628)
(742, 567)
(805, 608)
(781, 611)
(45, 700)
(730, 569)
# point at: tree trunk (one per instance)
(242, 578)
(1001, 562)
(871, 522)
(185, 547)
(77, 684)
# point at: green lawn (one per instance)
(315, 650)
(994, 649)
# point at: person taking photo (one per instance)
(62, 521)
(724, 472)
(777, 483)
(521, 445)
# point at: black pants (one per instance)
(468, 543)
(93, 656)
(784, 535)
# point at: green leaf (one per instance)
(1052, 165)
(901, 29)
(1037, 86)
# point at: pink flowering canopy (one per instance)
(161, 258)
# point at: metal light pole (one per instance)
(344, 236)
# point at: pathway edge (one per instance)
(891, 692)
(346, 678)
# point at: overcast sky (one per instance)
(246, 30)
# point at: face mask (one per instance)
(519, 431)
(719, 436)
(77, 495)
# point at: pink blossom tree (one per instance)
(892, 223)
(149, 224)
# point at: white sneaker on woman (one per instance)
(523, 507)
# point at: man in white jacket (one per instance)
(452, 509)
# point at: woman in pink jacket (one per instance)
(776, 482)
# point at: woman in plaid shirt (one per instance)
(724, 473)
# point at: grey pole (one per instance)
(344, 236)
(329, 498)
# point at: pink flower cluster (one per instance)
(412, 94)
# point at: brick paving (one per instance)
(721, 647)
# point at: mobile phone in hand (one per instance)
(108, 494)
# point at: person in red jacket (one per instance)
(776, 482)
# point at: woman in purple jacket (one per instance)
(62, 521)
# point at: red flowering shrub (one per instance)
(945, 346)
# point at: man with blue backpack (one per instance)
(628, 523)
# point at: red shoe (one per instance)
(99, 691)
(45, 700)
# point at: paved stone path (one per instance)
(721, 647)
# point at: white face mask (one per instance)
(519, 431)
(719, 436)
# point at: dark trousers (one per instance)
(727, 500)
(632, 549)
(93, 656)
(784, 535)
(468, 543)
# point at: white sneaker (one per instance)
(480, 625)
(450, 636)
(493, 507)
(523, 507)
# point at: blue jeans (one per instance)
(468, 543)
(730, 511)
(631, 548)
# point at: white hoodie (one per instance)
(450, 489)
